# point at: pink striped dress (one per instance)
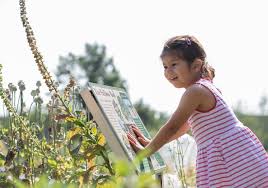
(229, 154)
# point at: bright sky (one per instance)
(234, 34)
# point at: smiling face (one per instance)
(179, 73)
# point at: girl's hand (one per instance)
(134, 143)
(141, 138)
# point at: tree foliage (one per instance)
(152, 119)
(93, 66)
(258, 124)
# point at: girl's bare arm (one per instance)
(183, 129)
(190, 101)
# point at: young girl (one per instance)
(229, 154)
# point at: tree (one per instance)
(263, 104)
(93, 66)
(258, 124)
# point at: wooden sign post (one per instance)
(114, 113)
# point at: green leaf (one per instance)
(74, 144)
(72, 132)
(79, 123)
(94, 131)
(2, 156)
(52, 163)
(122, 168)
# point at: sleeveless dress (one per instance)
(228, 153)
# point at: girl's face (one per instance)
(178, 72)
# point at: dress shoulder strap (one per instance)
(210, 86)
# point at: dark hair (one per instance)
(189, 48)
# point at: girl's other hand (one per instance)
(141, 138)
(134, 143)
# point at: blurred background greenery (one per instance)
(95, 66)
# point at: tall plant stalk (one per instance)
(69, 115)
(50, 83)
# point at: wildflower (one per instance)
(21, 85)
(4, 96)
(8, 94)
(38, 83)
(33, 93)
(69, 86)
(50, 83)
(37, 55)
(12, 87)
(38, 100)
(37, 91)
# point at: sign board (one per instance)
(114, 113)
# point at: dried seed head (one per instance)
(38, 100)
(33, 93)
(37, 55)
(21, 85)
(38, 83)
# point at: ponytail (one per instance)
(207, 71)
